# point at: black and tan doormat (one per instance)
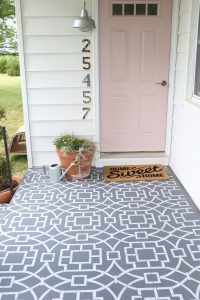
(134, 173)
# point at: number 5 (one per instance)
(86, 63)
(87, 98)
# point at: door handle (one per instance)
(163, 83)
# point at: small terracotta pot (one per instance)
(5, 196)
(66, 158)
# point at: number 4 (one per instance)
(87, 80)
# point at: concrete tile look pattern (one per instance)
(87, 240)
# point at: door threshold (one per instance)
(137, 158)
(131, 154)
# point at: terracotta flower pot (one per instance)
(76, 172)
(5, 196)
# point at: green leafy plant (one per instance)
(8, 36)
(72, 143)
(13, 66)
(2, 118)
(3, 173)
(3, 64)
(3, 162)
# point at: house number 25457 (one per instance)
(86, 64)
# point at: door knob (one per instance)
(163, 83)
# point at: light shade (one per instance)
(84, 23)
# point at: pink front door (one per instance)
(134, 59)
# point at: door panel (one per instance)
(148, 56)
(119, 59)
(120, 112)
(134, 57)
(146, 114)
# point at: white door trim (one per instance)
(23, 81)
(102, 161)
(96, 96)
(172, 74)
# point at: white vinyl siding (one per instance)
(49, 8)
(55, 79)
(59, 26)
(197, 65)
(47, 128)
(57, 112)
(53, 62)
(53, 44)
(41, 96)
(54, 73)
(185, 158)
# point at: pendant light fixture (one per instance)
(84, 22)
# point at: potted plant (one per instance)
(77, 151)
(8, 184)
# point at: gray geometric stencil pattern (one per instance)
(90, 240)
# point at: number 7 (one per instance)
(87, 110)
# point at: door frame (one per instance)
(96, 84)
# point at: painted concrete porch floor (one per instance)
(89, 240)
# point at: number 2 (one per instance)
(85, 48)
(87, 99)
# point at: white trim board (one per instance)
(174, 30)
(96, 58)
(23, 81)
(133, 161)
(172, 74)
(191, 59)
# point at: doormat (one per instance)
(134, 173)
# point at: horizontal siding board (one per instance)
(184, 6)
(184, 23)
(179, 86)
(182, 42)
(58, 112)
(50, 26)
(44, 158)
(49, 62)
(56, 96)
(32, 8)
(180, 63)
(56, 79)
(55, 128)
(45, 144)
(53, 44)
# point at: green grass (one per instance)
(11, 99)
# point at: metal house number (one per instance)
(86, 64)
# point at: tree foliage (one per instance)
(7, 9)
(8, 36)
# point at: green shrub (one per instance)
(13, 66)
(3, 64)
(3, 172)
(2, 119)
(2, 113)
(72, 143)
